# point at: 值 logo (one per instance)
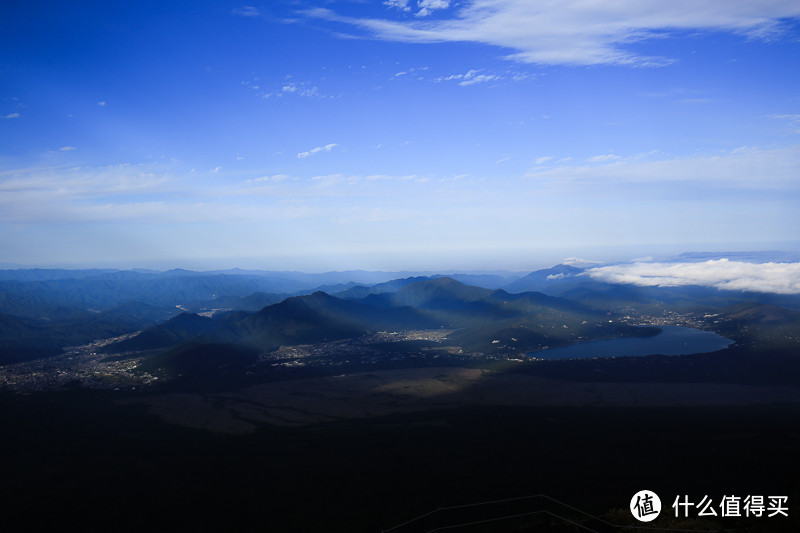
(645, 505)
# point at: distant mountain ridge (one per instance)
(312, 318)
(436, 293)
(548, 279)
(36, 292)
(42, 311)
(485, 320)
(362, 291)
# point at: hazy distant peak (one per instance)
(316, 298)
(433, 292)
(540, 280)
(180, 271)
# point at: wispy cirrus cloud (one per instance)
(64, 194)
(316, 150)
(11, 115)
(792, 119)
(299, 90)
(574, 32)
(409, 72)
(275, 178)
(286, 89)
(146, 193)
(742, 168)
(402, 5)
(153, 193)
(247, 11)
(429, 6)
(81, 182)
(604, 158)
(470, 77)
(780, 278)
(426, 7)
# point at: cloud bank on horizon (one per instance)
(779, 278)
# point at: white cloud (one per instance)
(741, 168)
(577, 261)
(577, 32)
(603, 158)
(171, 203)
(479, 78)
(543, 159)
(335, 179)
(429, 6)
(285, 89)
(11, 115)
(67, 149)
(80, 181)
(470, 78)
(397, 4)
(276, 178)
(101, 104)
(318, 149)
(522, 76)
(61, 194)
(781, 278)
(247, 11)
(292, 89)
(409, 72)
(793, 121)
(145, 193)
(356, 179)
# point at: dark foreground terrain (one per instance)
(84, 460)
(393, 408)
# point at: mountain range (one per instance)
(43, 311)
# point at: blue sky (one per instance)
(420, 134)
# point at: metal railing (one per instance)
(520, 508)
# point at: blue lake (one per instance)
(673, 340)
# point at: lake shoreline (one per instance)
(671, 341)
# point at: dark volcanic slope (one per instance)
(298, 320)
(439, 293)
(181, 328)
(319, 317)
